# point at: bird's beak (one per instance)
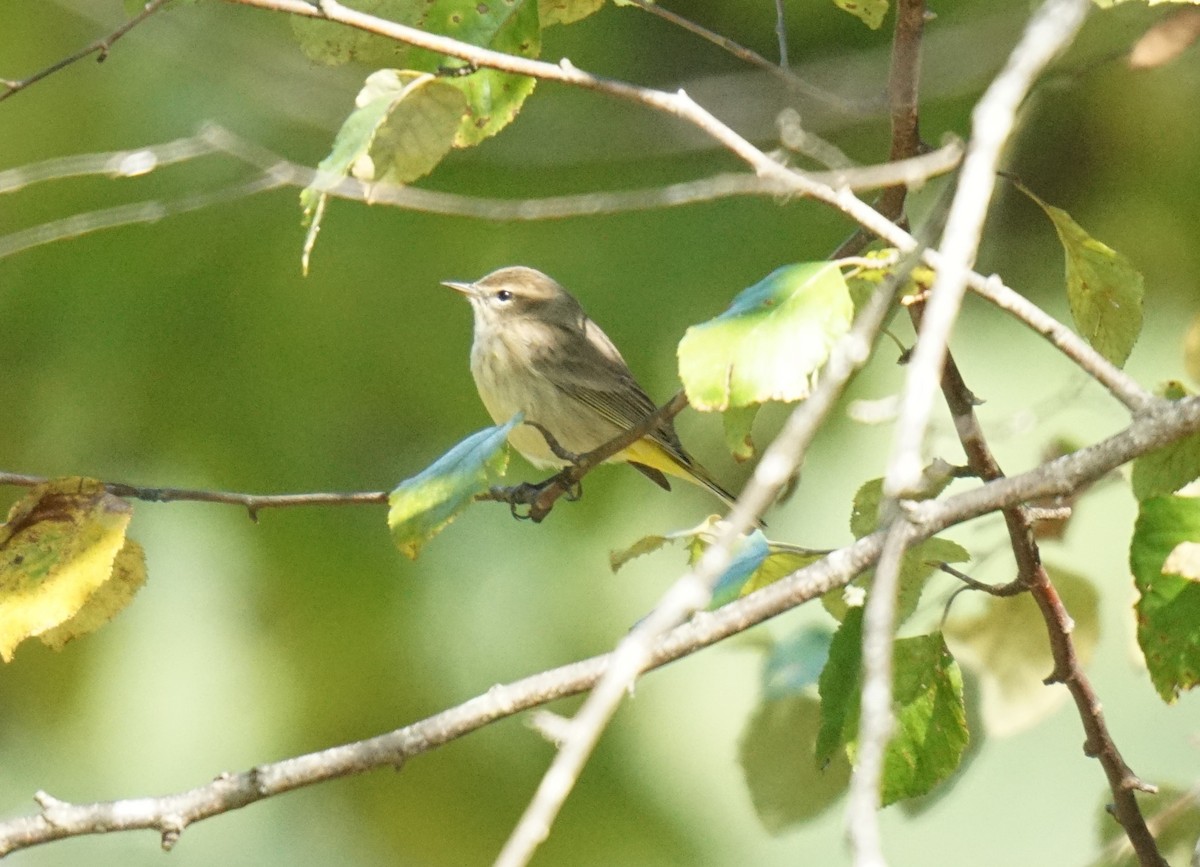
(467, 289)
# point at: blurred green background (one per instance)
(191, 352)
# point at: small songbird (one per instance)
(535, 351)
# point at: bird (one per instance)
(535, 351)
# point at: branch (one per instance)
(253, 503)
(170, 815)
(781, 71)
(1032, 576)
(875, 720)
(278, 172)
(1051, 29)
(101, 46)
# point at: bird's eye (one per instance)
(504, 295)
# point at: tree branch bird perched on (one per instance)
(536, 351)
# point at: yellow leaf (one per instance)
(57, 549)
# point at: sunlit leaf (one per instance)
(63, 545)
(566, 11)
(422, 506)
(1168, 610)
(1167, 469)
(1006, 646)
(776, 754)
(771, 341)
(109, 599)
(782, 560)
(869, 12)
(1103, 288)
(403, 126)
(493, 98)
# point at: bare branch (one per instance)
(100, 46)
(277, 172)
(253, 503)
(875, 721)
(1052, 28)
(792, 81)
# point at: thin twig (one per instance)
(100, 45)
(252, 503)
(78, 225)
(875, 720)
(1032, 576)
(781, 34)
(1157, 426)
(781, 71)
(277, 172)
(1051, 28)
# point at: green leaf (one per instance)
(1103, 288)
(739, 424)
(931, 722)
(869, 12)
(1166, 470)
(1168, 611)
(493, 97)
(864, 513)
(66, 566)
(927, 697)
(839, 687)
(776, 752)
(771, 341)
(334, 44)
(421, 507)
(403, 126)
(566, 11)
(1005, 645)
